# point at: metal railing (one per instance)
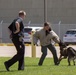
(60, 29)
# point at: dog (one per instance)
(67, 52)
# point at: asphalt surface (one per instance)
(9, 51)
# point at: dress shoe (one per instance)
(57, 63)
(6, 66)
(39, 64)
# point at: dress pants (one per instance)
(20, 54)
(44, 53)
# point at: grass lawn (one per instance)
(31, 68)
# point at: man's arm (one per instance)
(55, 37)
(35, 37)
(17, 27)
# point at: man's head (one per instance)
(46, 25)
(22, 14)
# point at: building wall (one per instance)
(10, 8)
(62, 10)
(57, 10)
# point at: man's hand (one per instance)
(62, 44)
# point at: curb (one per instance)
(6, 44)
(11, 44)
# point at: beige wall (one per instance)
(57, 10)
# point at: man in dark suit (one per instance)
(16, 34)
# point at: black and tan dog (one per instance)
(67, 52)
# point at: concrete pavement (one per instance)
(9, 51)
